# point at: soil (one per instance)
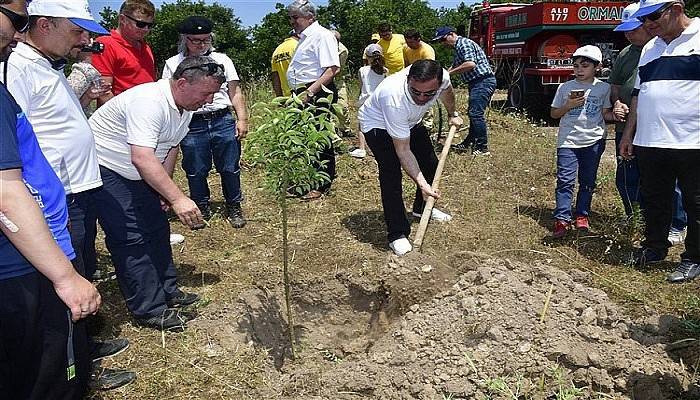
(474, 327)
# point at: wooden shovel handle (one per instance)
(428, 209)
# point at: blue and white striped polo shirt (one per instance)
(668, 90)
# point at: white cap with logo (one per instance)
(77, 11)
(629, 21)
(589, 51)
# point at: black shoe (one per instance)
(235, 215)
(685, 271)
(109, 379)
(109, 348)
(462, 147)
(646, 256)
(180, 298)
(170, 320)
(205, 209)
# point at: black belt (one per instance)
(211, 115)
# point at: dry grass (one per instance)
(501, 206)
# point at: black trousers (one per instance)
(328, 152)
(82, 212)
(659, 168)
(390, 175)
(137, 234)
(39, 342)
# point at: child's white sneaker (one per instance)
(358, 153)
(436, 215)
(400, 246)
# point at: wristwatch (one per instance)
(453, 115)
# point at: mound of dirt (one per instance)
(478, 328)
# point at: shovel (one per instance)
(428, 209)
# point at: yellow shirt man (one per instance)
(281, 58)
(393, 52)
(423, 52)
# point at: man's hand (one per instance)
(241, 129)
(620, 110)
(626, 147)
(188, 212)
(428, 192)
(456, 121)
(79, 295)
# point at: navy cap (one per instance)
(441, 32)
(195, 25)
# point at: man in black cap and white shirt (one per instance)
(391, 121)
(213, 133)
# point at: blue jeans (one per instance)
(480, 92)
(627, 179)
(680, 219)
(585, 161)
(212, 139)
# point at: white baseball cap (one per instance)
(77, 11)
(629, 22)
(589, 51)
(373, 49)
(647, 7)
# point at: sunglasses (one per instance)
(418, 93)
(656, 14)
(141, 24)
(19, 22)
(199, 41)
(211, 68)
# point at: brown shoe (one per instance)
(312, 195)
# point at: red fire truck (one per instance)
(530, 45)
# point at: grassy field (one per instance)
(502, 208)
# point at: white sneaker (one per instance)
(401, 246)
(358, 153)
(176, 238)
(676, 237)
(436, 215)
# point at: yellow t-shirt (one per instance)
(281, 58)
(393, 52)
(423, 52)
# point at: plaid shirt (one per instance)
(467, 50)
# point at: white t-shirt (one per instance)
(55, 113)
(316, 51)
(221, 98)
(668, 103)
(145, 115)
(390, 107)
(582, 126)
(369, 81)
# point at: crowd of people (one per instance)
(100, 146)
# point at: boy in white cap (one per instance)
(583, 104)
(370, 77)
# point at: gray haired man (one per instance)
(137, 135)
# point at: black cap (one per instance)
(195, 25)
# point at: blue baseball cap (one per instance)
(629, 21)
(441, 32)
(647, 7)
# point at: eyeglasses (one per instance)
(418, 93)
(656, 14)
(199, 41)
(141, 24)
(19, 22)
(211, 68)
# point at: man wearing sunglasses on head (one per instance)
(663, 131)
(391, 122)
(127, 60)
(137, 134)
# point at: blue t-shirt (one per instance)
(20, 149)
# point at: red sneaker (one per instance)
(560, 228)
(581, 223)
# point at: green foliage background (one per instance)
(251, 48)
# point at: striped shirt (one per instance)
(467, 50)
(668, 90)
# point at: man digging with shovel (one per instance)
(391, 122)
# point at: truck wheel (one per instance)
(516, 93)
